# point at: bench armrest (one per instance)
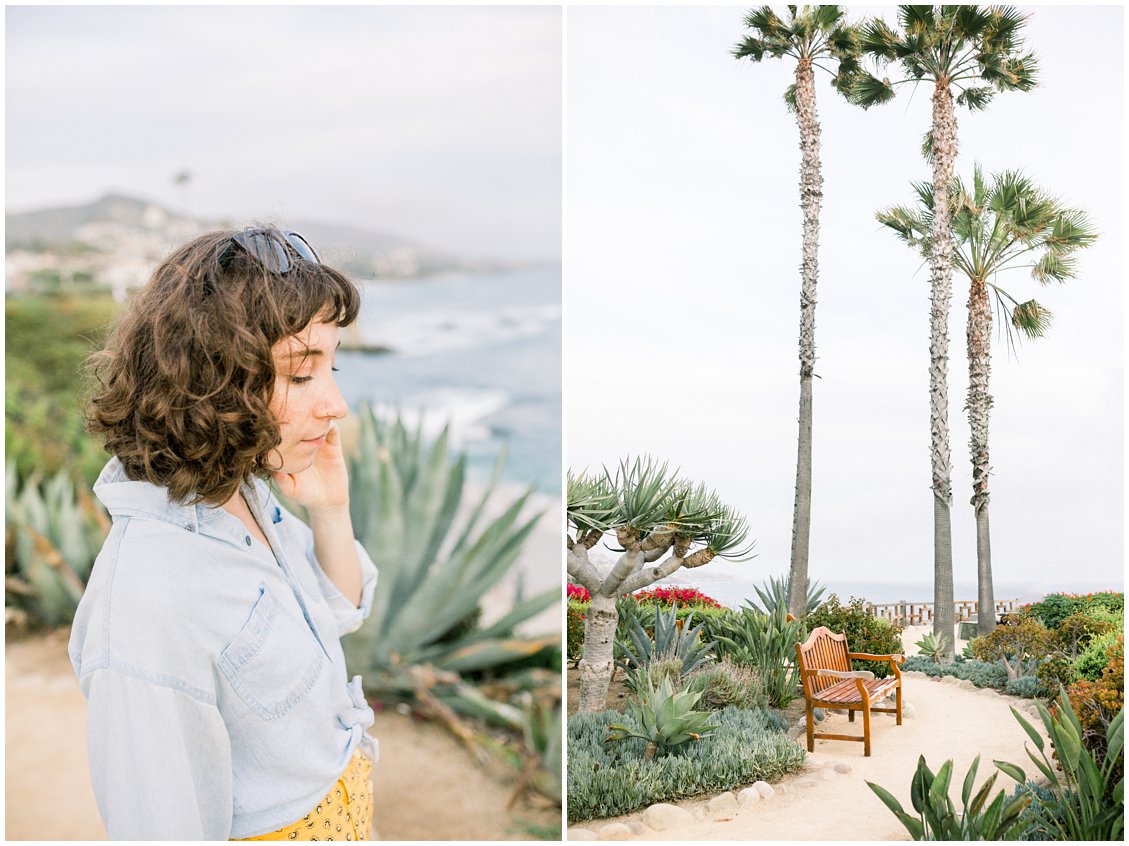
(866, 656)
(866, 675)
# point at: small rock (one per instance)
(908, 711)
(966, 684)
(990, 691)
(699, 813)
(764, 789)
(795, 731)
(807, 783)
(950, 680)
(664, 815)
(638, 829)
(827, 774)
(582, 834)
(615, 831)
(725, 803)
(842, 768)
(748, 796)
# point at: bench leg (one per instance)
(899, 705)
(811, 729)
(850, 716)
(866, 730)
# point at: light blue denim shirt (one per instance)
(218, 700)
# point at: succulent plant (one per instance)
(670, 642)
(664, 718)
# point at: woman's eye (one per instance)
(334, 369)
(299, 380)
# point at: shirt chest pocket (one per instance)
(275, 659)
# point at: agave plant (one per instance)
(55, 530)
(669, 643)
(937, 817)
(766, 642)
(775, 592)
(663, 718)
(933, 646)
(437, 559)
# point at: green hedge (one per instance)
(865, 632)
(1053, 608)
(605, 780)
(980, 673)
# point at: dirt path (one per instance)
(427, 787)
(820, 803)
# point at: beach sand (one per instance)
(819, 803)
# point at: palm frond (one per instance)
(790, 97)
(867, 90)
(877, 39)
(1053, 267)
(927, 146)
(749, 48)
(1031, 319)
(975, 98)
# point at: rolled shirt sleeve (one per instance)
(349, 616)
(160, 760)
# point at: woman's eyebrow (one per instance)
(302, 353)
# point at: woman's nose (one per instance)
(333, 403)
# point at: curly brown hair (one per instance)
(185, 381)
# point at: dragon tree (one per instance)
(662, 523)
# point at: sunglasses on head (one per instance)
(275, 250)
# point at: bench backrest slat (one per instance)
(823, 650)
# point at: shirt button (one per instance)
(248, 539)
(190, 526)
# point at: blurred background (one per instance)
(418, 150)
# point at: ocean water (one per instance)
(732, 583)
(480, 352)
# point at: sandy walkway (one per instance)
(423, 778)
(821, 804)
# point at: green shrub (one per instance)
(606, 780)
(865, 632)
(574, 643)
(1018, 642)
(1075, 632)
(47, 341)
(728, 683)
(1091, 662)
(666, 640)
(1055, 671)
(1056, 607)
(933, 647)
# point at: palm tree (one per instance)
(954, 47)
(1001, 224)
(816, 37)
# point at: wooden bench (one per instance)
(829, 682)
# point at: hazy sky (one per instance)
(683, 258)
(441, 124)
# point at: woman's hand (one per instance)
(324, 485)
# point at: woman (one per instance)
(207, 642)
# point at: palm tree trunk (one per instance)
(940, 265)
(811, 195)
(979, 406)
(596, 665)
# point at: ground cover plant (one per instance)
(605, 779)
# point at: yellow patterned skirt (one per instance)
(344, 814)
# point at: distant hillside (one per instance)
(117, 232)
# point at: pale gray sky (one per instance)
(682, 259)
(441, 124)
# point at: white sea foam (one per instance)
(433, 331)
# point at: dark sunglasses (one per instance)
(272, 248)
